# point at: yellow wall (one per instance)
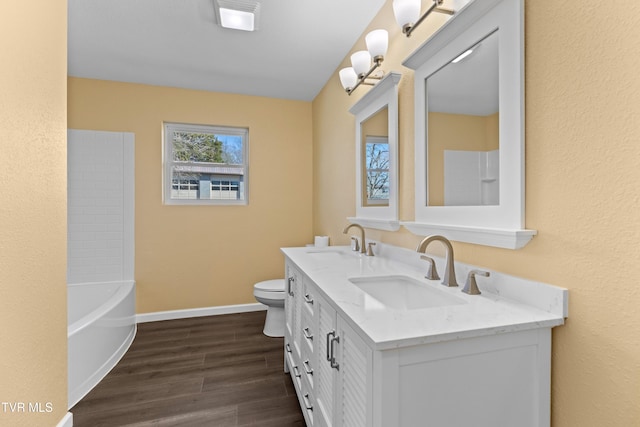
(33, 209)
(582, 154)
(200, 256)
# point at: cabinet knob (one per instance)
(289, 289)
(307, 367)
(328, 348)
(307, 334)
(307, 403)
(308, 299)
(333, 362)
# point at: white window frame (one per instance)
(168, 163)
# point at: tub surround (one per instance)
(101, 290)
(507, 303)
(361, 354)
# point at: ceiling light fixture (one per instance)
(407, 13)
(462, 56)
(237, 14)
(361, 68)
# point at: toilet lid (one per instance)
(276, 285)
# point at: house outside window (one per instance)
(205, 165)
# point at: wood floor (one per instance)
(208, 371)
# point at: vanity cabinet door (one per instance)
(324, 372)
(354, 381)
(293, 308)
(290, 276)
(344, 372)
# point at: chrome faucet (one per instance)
(362, 245)
(449, 278)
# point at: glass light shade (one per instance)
(377, 42)
(348, 77)
(361, 61)
(236, 19)
(406, 11)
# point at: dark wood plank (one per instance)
(208, 371)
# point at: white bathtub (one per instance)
(101, 327)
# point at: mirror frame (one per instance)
(383, 94)
(500, 225)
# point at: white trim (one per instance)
(198, 312)
(496, 237)
(380, 224)
(66, 421)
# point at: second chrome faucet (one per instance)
(449, 278)
(363, 247)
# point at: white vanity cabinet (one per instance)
(485, 361)
(329, 363)
(297, 336)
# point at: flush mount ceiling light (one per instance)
(361, 68)
(462, 56)
(407, 13)
(237, 14)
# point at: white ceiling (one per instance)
(177, 43)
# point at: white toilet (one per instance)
(271, 294)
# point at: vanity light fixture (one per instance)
(361, 68)
(407, 13)
(237, 14)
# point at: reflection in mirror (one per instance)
(463, 128)
(375, 157)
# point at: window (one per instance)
(205, 164)
(377, 170)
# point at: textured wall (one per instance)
(201, 256)
(582, 152)
(33, 206)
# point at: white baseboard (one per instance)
(198, 312)
(66, 421)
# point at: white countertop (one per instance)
(486, 314)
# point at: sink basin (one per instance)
(404, 293)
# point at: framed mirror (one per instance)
(376, 140)
(469, 118)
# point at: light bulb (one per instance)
(407, 12)
(361, 62)
(377, 42)
(348, 78)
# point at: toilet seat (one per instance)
(269, 289)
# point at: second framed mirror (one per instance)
(377, 156)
